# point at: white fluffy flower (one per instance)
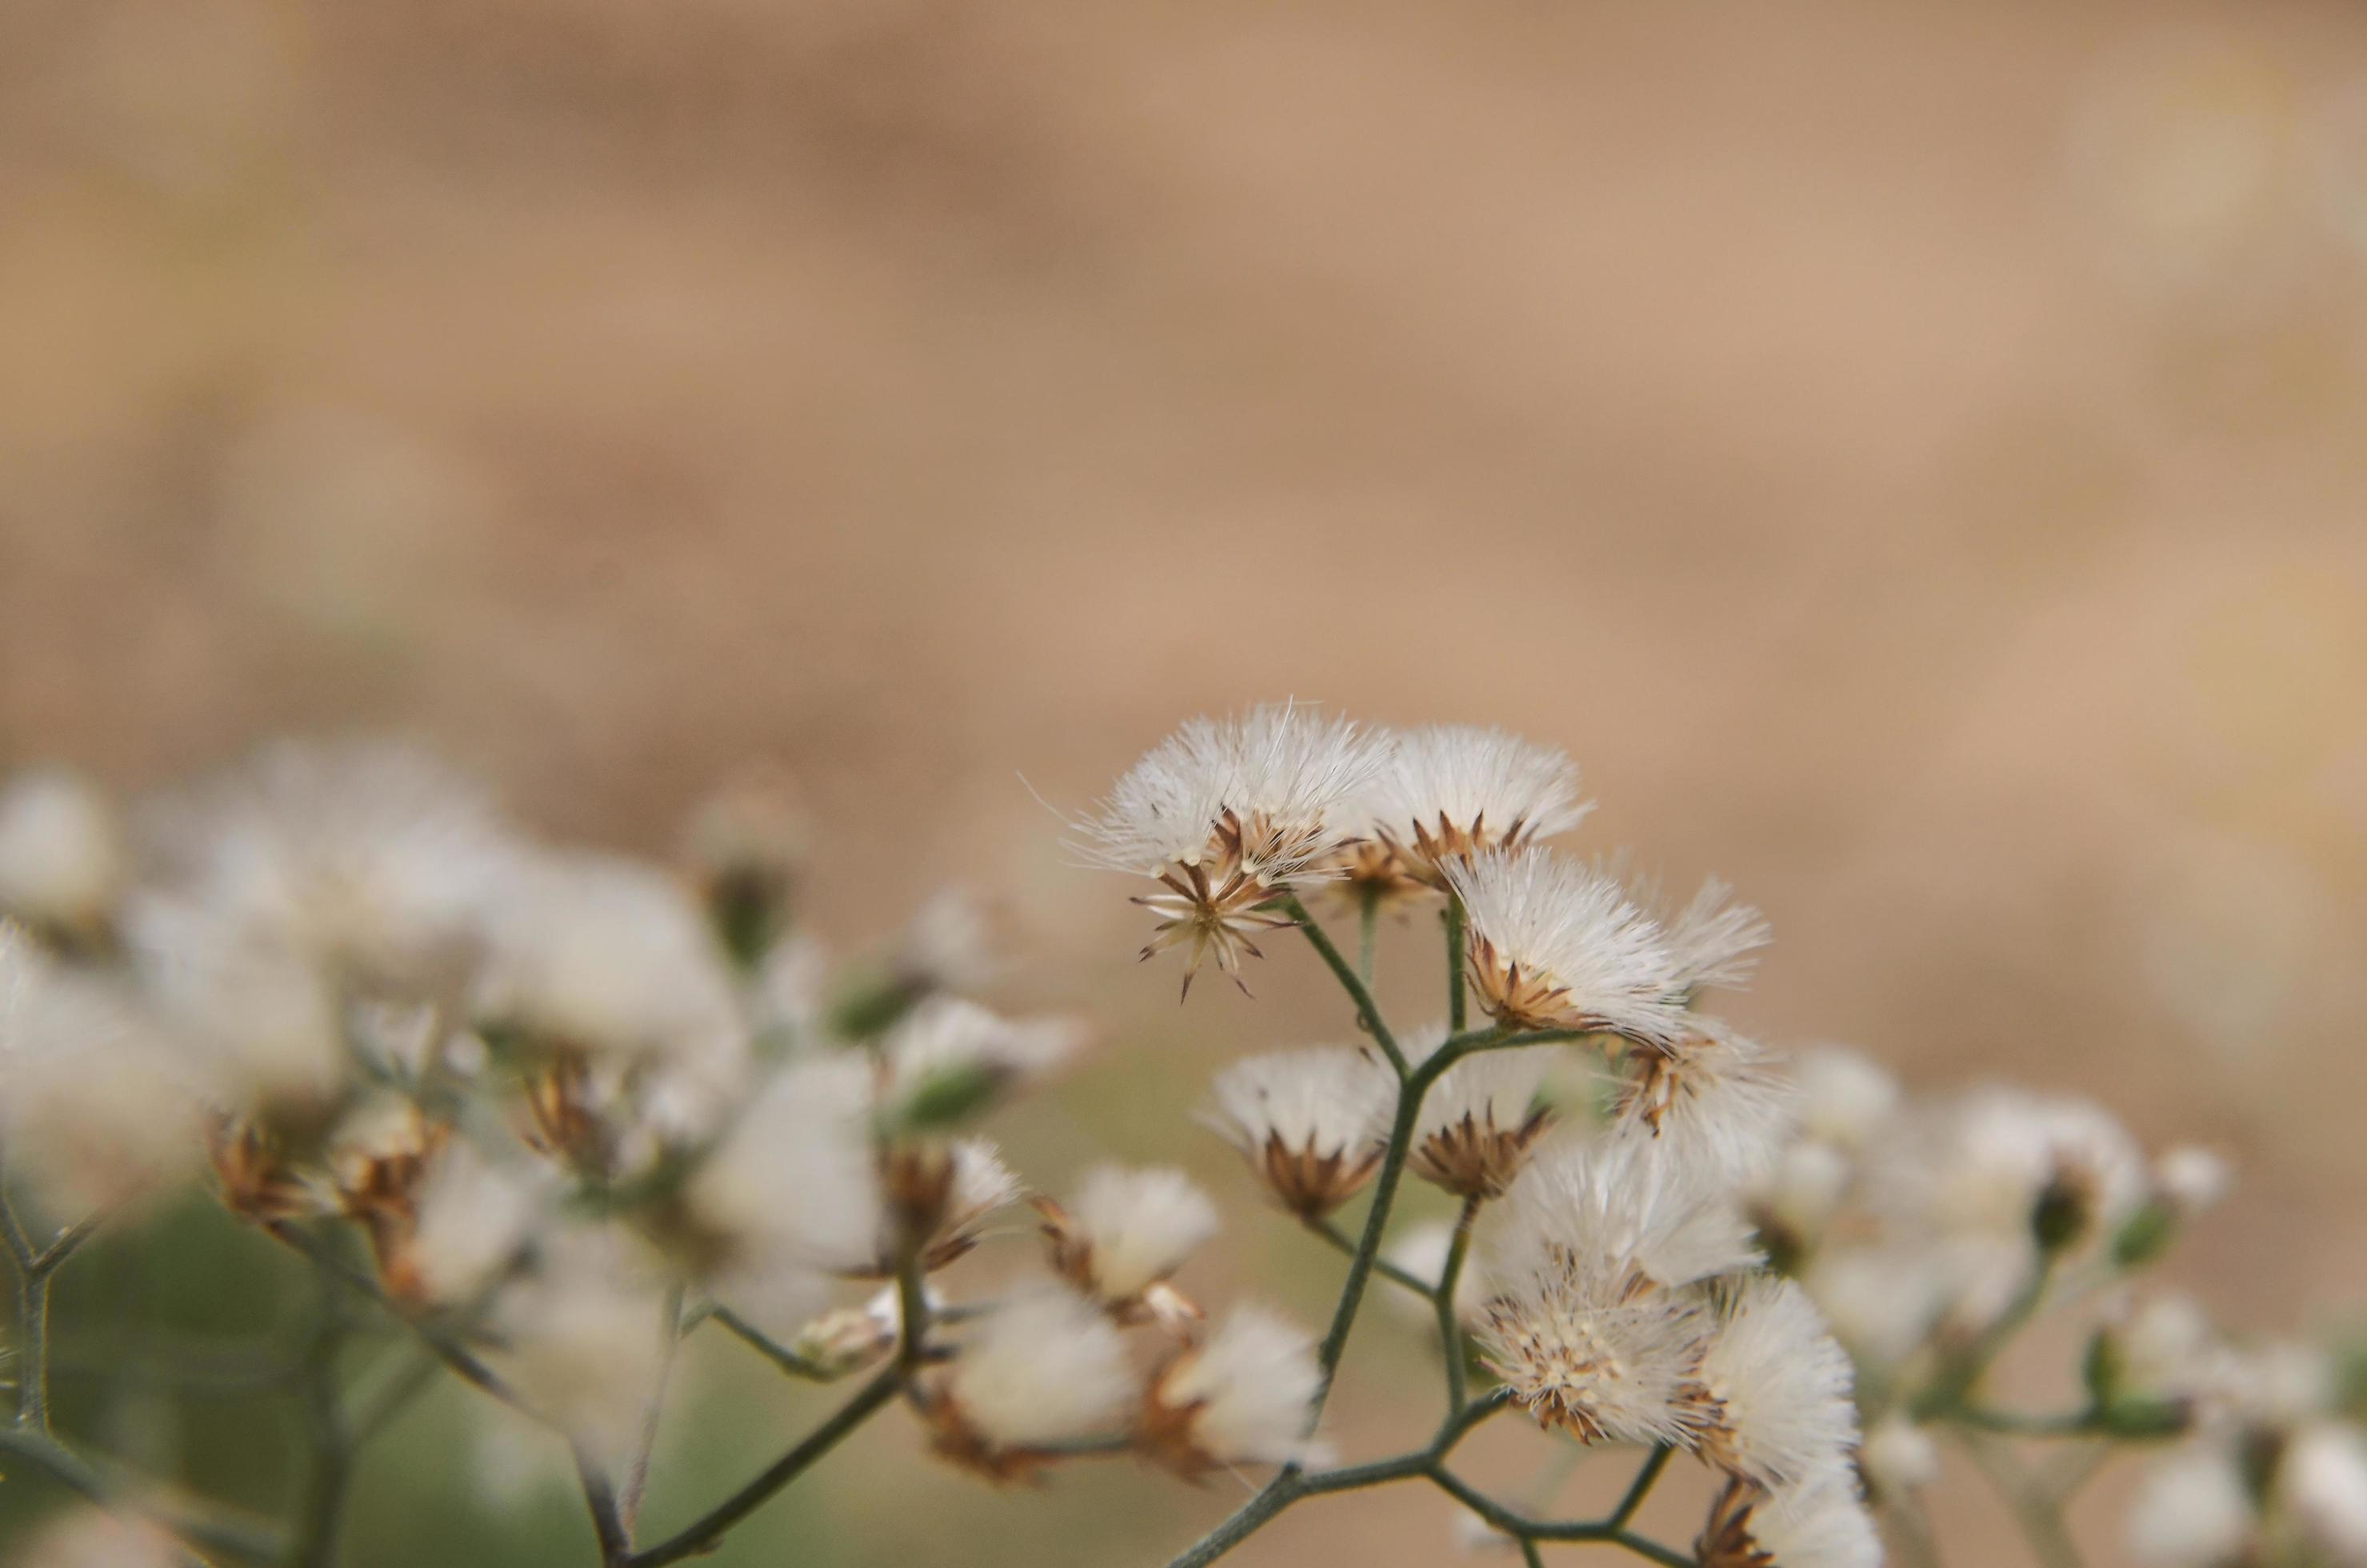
(1227, 814)
(1591, 1327)
(1881, 1300)
(1820, 1524)
(946, 1039)
(1708, 1101)
(97, 1105)
(2191, 1179)
(1480, 1119)
(1900, 1457)
(791, 1189)
(2191, 1510)
(1641, 1216)
(475, 1217)
(1714, 940)
(1041, 1371)
(1774, 1388)
(1450, 789)
(1844, 1098)
(62, 858)
(368, 859)
(1240, 1398)
(1797, 1199)
(2322, 1488)
(1309, 1122)
(1556, 944)
(584, 1339)
(1129, 1229)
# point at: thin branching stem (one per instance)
(1368, 933)
(1368, 1012)
(1647, 1475)
(701, 1534)
(1450, 1322)
(1390, 1271)
(2039, 1516)
(765, 1344)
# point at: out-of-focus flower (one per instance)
(948, 1056)
(1240, 1398)
(2321, 1490)
(1557, 945)
(583, 1339)
(748, 846)
(63, 861)
(97, 1104)
(1228, 815)
(2192, 1510)
(1421, 1253)
(476, 1218)
(938, 1198)
(790, 1194)
(1900, 1458)
(1039, 1373)
(1309, 1122)
(1844, 1099)
(1126, 1233)
(85, 1538)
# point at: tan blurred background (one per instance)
(1914, 456)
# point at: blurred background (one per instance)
(1914, 457)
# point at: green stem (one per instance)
(709, 1527)
(1522, 1528)
(315, 1543)
(1450, 1322)
(607, 1515)
(1455, 944)
(1368, 1013)
(1368, 1247)
(1382, 1266)
(1293, 1484)
(765, 1344)
(637, 1473)
(1641, 1487)
(1368, 931)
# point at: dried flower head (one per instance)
(1709, 1099)
(378, 1162)
(1046, 1369)
(1591, 1327)
(1125, 1231)
(64, 862)
(1448, 791)
(747, 846)
(939, 1197)
(1242, 1398)
(1309, 1122)
(1480, 1119)
(1823, 1524)
(1226, 815)
(1557, 945)
(1773, 1387)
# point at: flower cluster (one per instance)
(549, 1109)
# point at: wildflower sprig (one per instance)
(531, 1115)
